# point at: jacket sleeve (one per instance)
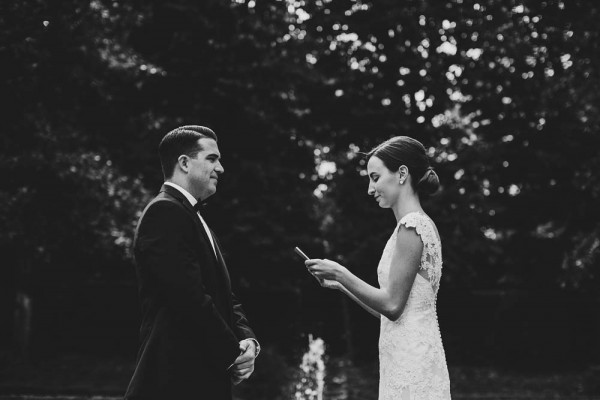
(242, 328)
(241, 325)
(165, 247)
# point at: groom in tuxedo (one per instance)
(194, 338)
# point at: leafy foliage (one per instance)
(503, 94)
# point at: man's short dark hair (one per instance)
(181, 141)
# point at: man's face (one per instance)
(205, 169)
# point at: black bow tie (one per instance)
(199, 207)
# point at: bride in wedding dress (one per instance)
(412, 362)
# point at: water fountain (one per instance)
(312, 371)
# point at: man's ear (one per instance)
(183, 162)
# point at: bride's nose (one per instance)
(371, 190)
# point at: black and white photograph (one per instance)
(300, 200)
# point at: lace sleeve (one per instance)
(431, 258)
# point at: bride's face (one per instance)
(384, 184)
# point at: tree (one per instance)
(502, 95)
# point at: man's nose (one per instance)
(219, 168)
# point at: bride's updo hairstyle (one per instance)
(404, 150)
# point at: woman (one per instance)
(411, 355)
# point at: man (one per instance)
(194, 338)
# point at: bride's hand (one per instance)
(329, 273)
(326, 283)
(329, 284)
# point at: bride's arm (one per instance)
(390, 299)
(360, 303)
(331, 284)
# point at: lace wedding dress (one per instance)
(411, 355)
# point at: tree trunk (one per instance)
(22, 325)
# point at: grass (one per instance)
(73, 377)
(351, 382)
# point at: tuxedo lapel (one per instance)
(179, 196)
(220, 268)
(221, 261)
(226, 281)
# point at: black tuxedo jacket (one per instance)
(191, 321)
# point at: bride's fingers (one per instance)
(319, 273)
(242, 372)
(320, 280)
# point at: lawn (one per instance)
(78, 378)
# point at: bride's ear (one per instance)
(402, 174)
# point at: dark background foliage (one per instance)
(504, 95)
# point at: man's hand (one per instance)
(244, 365)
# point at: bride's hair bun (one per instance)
(429, 183)
(404, 150)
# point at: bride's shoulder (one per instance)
(414, 219)
(422, 224)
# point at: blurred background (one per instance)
(505, 95)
